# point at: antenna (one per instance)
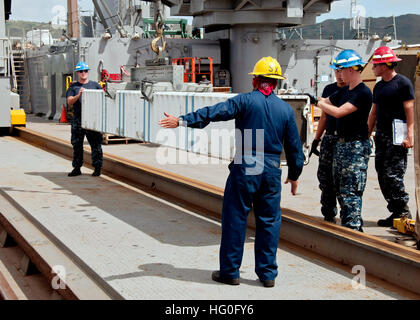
(395, 27)
(352, 11)
(357, 19)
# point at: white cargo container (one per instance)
(130, 115)
(39, 37)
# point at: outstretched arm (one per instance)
(223, 111)
(169, 121)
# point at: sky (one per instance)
(50, 10)
(372, 8)
(55, 10)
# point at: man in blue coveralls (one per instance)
(255, 174)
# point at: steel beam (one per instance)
(309, 4)
(417, 146)
(6, 291)
(28, 234)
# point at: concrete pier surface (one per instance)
(306, 201)
(146, 248)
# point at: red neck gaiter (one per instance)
(264, 85)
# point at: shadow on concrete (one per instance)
(148, 214)
(182, 274)
(370, 224)
(327, 264)
(165, 223)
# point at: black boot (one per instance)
(388, 222)
(97, 172)
(330, 219)
(216, 277)
(76, 172)
(268, 283)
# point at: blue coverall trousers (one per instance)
(243, 191)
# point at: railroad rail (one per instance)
(384, 260)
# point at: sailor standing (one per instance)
(393, 98)
(255, 174)
(351, 106)
(327, 124)
(74, 97)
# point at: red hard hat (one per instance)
(384, 55)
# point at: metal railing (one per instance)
(5, 56)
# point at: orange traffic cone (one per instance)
(63, 118)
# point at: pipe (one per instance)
(117, 23)
(100, 14)
(73, 18)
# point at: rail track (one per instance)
(383, 260)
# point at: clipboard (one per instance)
(399, 131)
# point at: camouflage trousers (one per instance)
(350, 174)
(325, 176)
(391, 165)
(77, 139)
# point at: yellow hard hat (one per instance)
(268, 67)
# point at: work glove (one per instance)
(313, 100)
(314, 147)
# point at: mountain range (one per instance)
(407, 26)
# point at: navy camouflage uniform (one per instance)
(391, 165)
(78, 133)
(326, 157)
(352, 153)
(390, 159)
(350, 174)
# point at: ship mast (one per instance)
(73, 18)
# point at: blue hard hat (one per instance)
(81, 66)
(347, 59)
(334, 65)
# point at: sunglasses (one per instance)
(378, 64)
(83, 71)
